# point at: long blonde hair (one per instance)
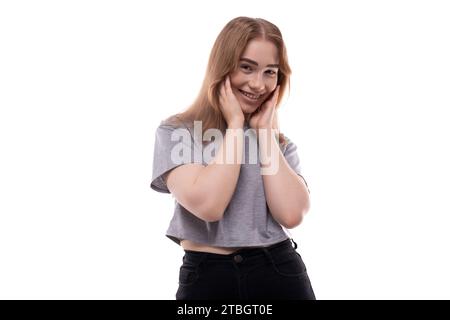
(224, 57)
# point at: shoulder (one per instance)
(168, 125)
(174, 122)
(172, 131)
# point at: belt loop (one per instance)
(295, 243)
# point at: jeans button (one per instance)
(238, 258)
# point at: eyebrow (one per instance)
(256, 63)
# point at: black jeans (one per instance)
(275, 272)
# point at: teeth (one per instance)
(250, 95)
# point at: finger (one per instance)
(220, 91)
(222, 88)
(225, 86)
(271, 101)
(275, 94)
(228, 85)
(222, 95)
(274, 99)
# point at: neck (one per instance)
(247, 117)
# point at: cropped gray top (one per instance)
(247, 220)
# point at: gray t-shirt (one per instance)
(247, 220)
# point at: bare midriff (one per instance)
(193, 246)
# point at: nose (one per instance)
(256, 83)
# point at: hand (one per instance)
(229, 104)
(265, 117)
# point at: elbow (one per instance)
(294, 220)
(204, 207)
(214, 213)
(210, 212)
(212, 216)
(295, 215)
(214, 208)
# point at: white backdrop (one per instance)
(83, 86)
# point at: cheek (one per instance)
(273, 85)
(233, 84)
(270, 89)
(234, 77)
(234, 87)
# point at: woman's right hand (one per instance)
(229, 104)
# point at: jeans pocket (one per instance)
(290, 265)
(188, 274)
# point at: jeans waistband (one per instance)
(244, 252)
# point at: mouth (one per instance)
(249, 96)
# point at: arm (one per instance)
(286, 193)
(207, 191)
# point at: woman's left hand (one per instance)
(266, 115)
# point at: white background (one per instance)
(84, 84)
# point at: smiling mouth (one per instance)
(250, 96)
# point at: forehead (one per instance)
(262, 51)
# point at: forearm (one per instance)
(218, 180)
(286, 193)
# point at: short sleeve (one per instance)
(291, 155)
(173, 147)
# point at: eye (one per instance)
(271, 72)
(246, 67)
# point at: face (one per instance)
(256, 75)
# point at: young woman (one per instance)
(232, 214)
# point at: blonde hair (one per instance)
(224, 57)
